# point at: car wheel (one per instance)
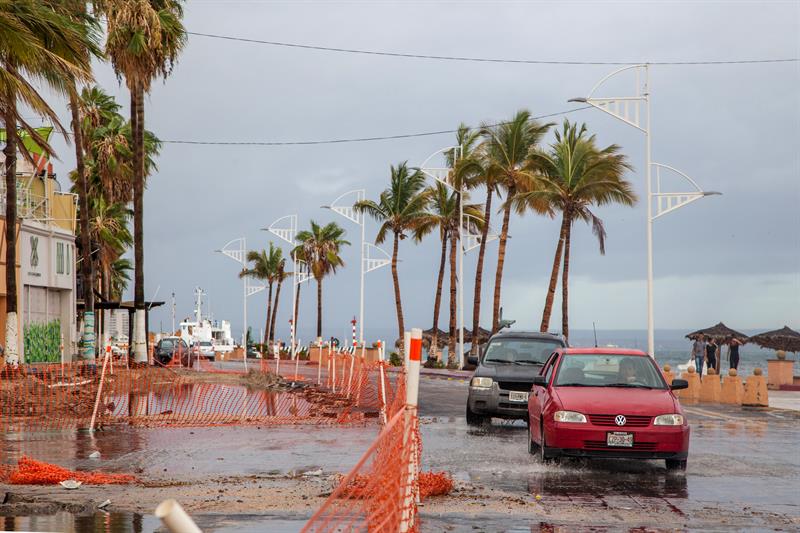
(676, 465)
(474, 419)
(533, 448)
(544, 451)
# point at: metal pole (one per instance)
(361, 303)
(461, 361)
(294, 301)
(244, 329)
(650, 327)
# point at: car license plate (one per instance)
(616, 438)
(518, 396)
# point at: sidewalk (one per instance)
(784, 399)
(438, 372)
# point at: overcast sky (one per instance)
(734, 129)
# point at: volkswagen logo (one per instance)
(620, 420)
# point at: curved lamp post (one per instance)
(368, 261)
(466, 239)
(237, 250)
(628, 110)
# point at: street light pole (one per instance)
(626, 109)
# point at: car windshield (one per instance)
(205, 343)
(596, 370)
(520, 351)
(166, 343)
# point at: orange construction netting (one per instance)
(56, 396)
(31, 472)
(380, 493)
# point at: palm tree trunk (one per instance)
(319, 308)
(10, 151)
(396, 280)
(137, 125)
(87, 273)
(275, 312)
(437, 301)
(565, 283)
(551, 289)
(476, 302)
(451, 340)
(269, 314)
(501, 258)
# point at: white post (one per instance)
(647, 133)
(361, 302)
(461, 361)
(409, 434)
(332, 364)
(319, 363)
(244, 328)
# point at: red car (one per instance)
(606, 402)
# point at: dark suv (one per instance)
(504, 374)
(169, 347)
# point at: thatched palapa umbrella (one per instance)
(441, 338)
(785, 339)
(721, 333)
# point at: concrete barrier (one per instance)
(669, 375)
(732, 389)
(779, 372)
(755, 390)
(690, 394)
(711, 388)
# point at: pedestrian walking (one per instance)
(699, 353)
(733, 352)
(711, 354)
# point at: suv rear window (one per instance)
(520, 351)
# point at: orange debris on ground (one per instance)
(32, 472)
(435, 484)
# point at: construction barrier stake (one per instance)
(99, 392)
(413, 357)
(406, 348)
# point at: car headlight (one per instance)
(668, 420)
(569, 416)
(481, 383)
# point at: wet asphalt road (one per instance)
(743, 474)
(741, 462)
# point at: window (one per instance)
(69, 258)
(59, 258)
(609, 370)
(520, 350)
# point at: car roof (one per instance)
(602, 351)
(511, 334)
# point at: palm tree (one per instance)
(144, 38)
(265, 268)
(36, 42)
(400, 208)
(575, 174)
(280, 277)
(120, 277)
(444, 215)
(508, 147)
(76, 10)
(321, 246)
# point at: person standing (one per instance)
(699, 353)
(734, 353)
(711, 354)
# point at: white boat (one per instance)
(205, 329)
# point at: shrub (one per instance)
(395, 359)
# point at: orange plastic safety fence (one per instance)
(42, 397)
(379, 493)
(32, 472)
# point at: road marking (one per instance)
(703, 412)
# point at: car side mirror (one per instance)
(678, 384)
(472, 360)
(540, 380)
